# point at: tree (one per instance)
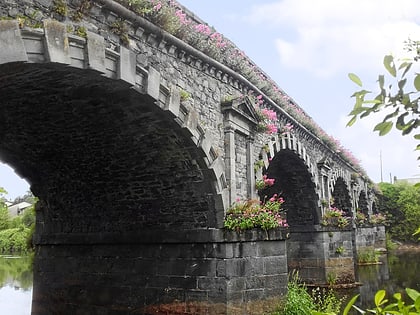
(398, 101)
(4, 212)
(401, 203)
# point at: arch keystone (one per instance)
(12, 46)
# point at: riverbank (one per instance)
(415, 247)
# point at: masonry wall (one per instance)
(371, 237)
(322, 256)
(214, 269)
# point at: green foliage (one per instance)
(60, 7)
(383, 306)
(335, 217)
(184, 95)
(249, 214)
(396, 100)
(401, 202)
(4, 213)
(14, 240)
(298, 301)
(367, 256)
(326, 300)
(339, 250)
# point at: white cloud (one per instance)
(331, 36)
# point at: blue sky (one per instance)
(308, 47)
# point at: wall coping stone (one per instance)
(163, 236)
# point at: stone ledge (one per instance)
(162, 236)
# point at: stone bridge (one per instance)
(136, 143)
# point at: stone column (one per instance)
(230, 161)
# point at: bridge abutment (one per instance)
(212, 270)
(322, 256)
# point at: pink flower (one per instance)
(203, 28)
(271, 128)
(158, 6)
(270, 114)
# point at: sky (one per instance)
(308, 47)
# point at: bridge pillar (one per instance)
(322, 256)
(148, 272)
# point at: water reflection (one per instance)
(15, 285)
(399, 270)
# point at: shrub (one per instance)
(249, 214)
(367, 256)
(14, 240)
(335, 217)
(298, 301)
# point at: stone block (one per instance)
(96, 52)
(127, 66)
(12, 47)
(56, 42)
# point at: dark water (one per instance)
(397, 271)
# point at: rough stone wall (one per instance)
(372, 237)
(222, 271)
(179, 67)
(322, 256)
(109, 157)
(241, 166)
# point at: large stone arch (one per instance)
(95, 136)
(362, 203)
(295, 184)
(341, 196)
(286, 160)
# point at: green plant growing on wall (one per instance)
(331, 278)
(185, 96)
(335, 217)
(60, 7)
(119, 27)
(258, 165)
(81, 31)
(339, 250)
(81, 10)
(249, 214)
(367, 256)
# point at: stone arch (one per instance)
(295, 183)
(362, 203)
(341, 196)
(104, 145)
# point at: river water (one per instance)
(398, 270)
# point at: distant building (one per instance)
(18, 209)
(412, 180)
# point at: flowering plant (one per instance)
(361, 218)
(267, 117)
(169, 15)
(265, 182)
(286, 129)
(249, 214)
(335, 217)
(377, 218)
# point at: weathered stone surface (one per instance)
(134, 180)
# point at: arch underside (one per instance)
(294, 182)
(99, 155)
(341, 196)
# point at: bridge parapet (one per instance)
(120, 126)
